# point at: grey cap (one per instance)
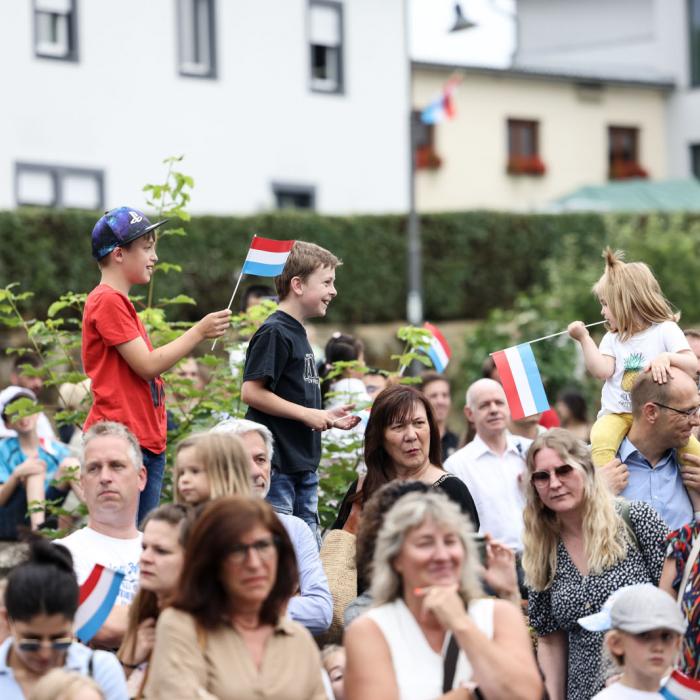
(636, 609)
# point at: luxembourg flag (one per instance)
(96, 600)
(266, 257)
(680, 687)
(521, 381)
(442, 107)
(438, 351)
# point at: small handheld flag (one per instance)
(521, 381)
(680, 687)
(439, 351)
(442, 107)
(266, 257)
(96, 600)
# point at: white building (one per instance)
(272, 102)
(649, 39)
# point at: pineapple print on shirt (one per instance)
(634, 364)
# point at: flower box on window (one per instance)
(526, 165)
(626, 170)
(427, 159)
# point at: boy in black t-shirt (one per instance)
(281, 385)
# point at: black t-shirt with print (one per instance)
(280, 354)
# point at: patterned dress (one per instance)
(679, 545)
(573, 595)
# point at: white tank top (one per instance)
(418, 669)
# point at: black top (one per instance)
(280, 353)
(448, 444)
(452, 486)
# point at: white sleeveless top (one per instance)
(418, 669)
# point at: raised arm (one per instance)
(599, 365)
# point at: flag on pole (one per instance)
(439, 351)
(521, 381)
(96, 600)
(680, 687)
(442, 107)
(266, 257)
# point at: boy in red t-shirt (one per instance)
(117, 355)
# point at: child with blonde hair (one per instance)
(210, 465)
(642, 336)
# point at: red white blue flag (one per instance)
(680, 687)
(521, 381)
(266, 257)
(442, 107)
(96, 600)
(438, 351)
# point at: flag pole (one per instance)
(554, 335)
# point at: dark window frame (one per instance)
(622, 166)
(57, 174)
(423, 140)
(523, 142)
(212, 72)
(280, 189)
(695, 159)
(693, 10)
(72, 55)
(339, 89)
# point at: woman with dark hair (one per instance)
(573, 413)
(227, 635)
(347, 387)
(41, 600)
(402, 441)
(165, 533)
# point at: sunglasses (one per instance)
(542, 477)
(30, 645)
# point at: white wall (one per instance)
(123, 107)
(573, 137)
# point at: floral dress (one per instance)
(679, 545)
(573, 595)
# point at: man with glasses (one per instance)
(663, 418)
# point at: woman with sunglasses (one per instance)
(227, 635)
(580, 545)
(41, 599)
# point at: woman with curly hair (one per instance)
(580, 545)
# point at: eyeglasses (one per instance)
(265, 549)
(688, 412)
(542, 477)
(32, 645)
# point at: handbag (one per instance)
(680, 685)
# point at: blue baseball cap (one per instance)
(118, 227)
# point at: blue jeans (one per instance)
(296, 494)
(150, 496)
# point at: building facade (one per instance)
(273, 102)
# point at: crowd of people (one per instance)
(544, 557)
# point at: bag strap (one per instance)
(450, 664)
(688, 567)
(625, 515)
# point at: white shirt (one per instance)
(617, 691)
(631, 357)
(495, 483)
(90, 547)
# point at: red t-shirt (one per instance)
(119, 394)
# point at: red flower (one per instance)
(526, 165)
(626, 169)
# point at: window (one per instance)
(58, 186)
(694, 41)
(326, 45)
(294, 196)
(524, 148)
(424, 143)
(695, 159)
(56, 29)
(623, 153)
(197, 44)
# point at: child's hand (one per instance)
(30, 467)
(659, 368)
(341, 417)
(577, 330)
(317, 419)
(215, 324)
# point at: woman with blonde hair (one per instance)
(642, 336)
(432, 633)
(210, 465)
(580, 545)
(60, 684)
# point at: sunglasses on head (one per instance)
(543, 477)
(30, 644)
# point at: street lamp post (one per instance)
(414, 297)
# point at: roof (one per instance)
(561, 75)
(632, 196)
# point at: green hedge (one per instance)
(473, 261)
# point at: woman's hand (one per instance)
(145, 639)
(445, 603)
(500, 573)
